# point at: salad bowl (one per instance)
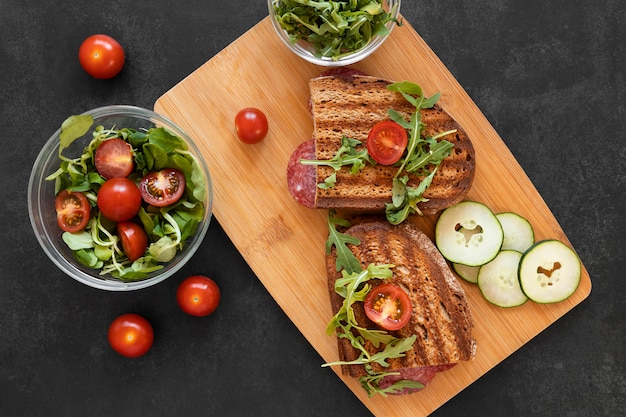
(347, 37)
(124, 275)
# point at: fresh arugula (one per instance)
(98, 245)
(350, 153)
(333, 28)
(345, 258)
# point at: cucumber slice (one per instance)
(518, 232)
(468, 273)
(549, 271)
(498, 282)
(468, 233)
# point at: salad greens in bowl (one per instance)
(120, 198)
(334, 33)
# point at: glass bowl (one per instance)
(41, 199)
(305, 50)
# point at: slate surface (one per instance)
(548, 75)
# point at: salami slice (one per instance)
(423, 375)
(301, 178)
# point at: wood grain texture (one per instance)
(284, 243)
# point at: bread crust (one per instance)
(350, 106)
(441, 317)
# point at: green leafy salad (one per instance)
(333, 28)
(422, 156)
(353, 287)
(98, 245)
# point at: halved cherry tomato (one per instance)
(73, 211)
(101, 56)
(162, 188)
(134, 239)
(198, 295)
(131, 335)
(119, 199)
(389, 306)
(251, 125)
(386, 142)
(114, 158)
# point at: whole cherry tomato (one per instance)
(198, 295)
(131, 335)
(134, 239)
(119, 199)
(251, 125)
(101, 56)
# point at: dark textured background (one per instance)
(549, 75)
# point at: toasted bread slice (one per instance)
(350, 106)
(441, 317)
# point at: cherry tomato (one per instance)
(73, 211)
(114, 158)
(389, 306)
(101, 56)
(251, 125)
(386, 142)
(119, 199)
(198, 295)
(131, 335)
(162, 188)
(134, 239)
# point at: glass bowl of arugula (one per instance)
(332, 33)
(111, 252)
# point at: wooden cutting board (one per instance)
(284, 243)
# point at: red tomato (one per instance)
(114, 158)
(131, 335)
(134, 239)
(251, 125)
(101, 56)
(73, 211)
(198, 295)
(386, 142)
(162, 188)
(389, 306)
(119, 199)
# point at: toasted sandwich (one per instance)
(441, 321)
(349, 104)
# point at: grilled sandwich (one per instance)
(440, 319)
(349, 104)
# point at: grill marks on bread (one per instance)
(441, 318)
(350, 106)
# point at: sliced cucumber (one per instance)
(498, 282)
(468, 273)
(518, 232)
(549, 271)
(468, 233)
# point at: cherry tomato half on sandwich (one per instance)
(389, 306)
(73, 211)
(101, 56)
(131, 335)
(251, 125)
(386, 142)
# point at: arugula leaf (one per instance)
(345, 257)
(371, 385)
(351, 152)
